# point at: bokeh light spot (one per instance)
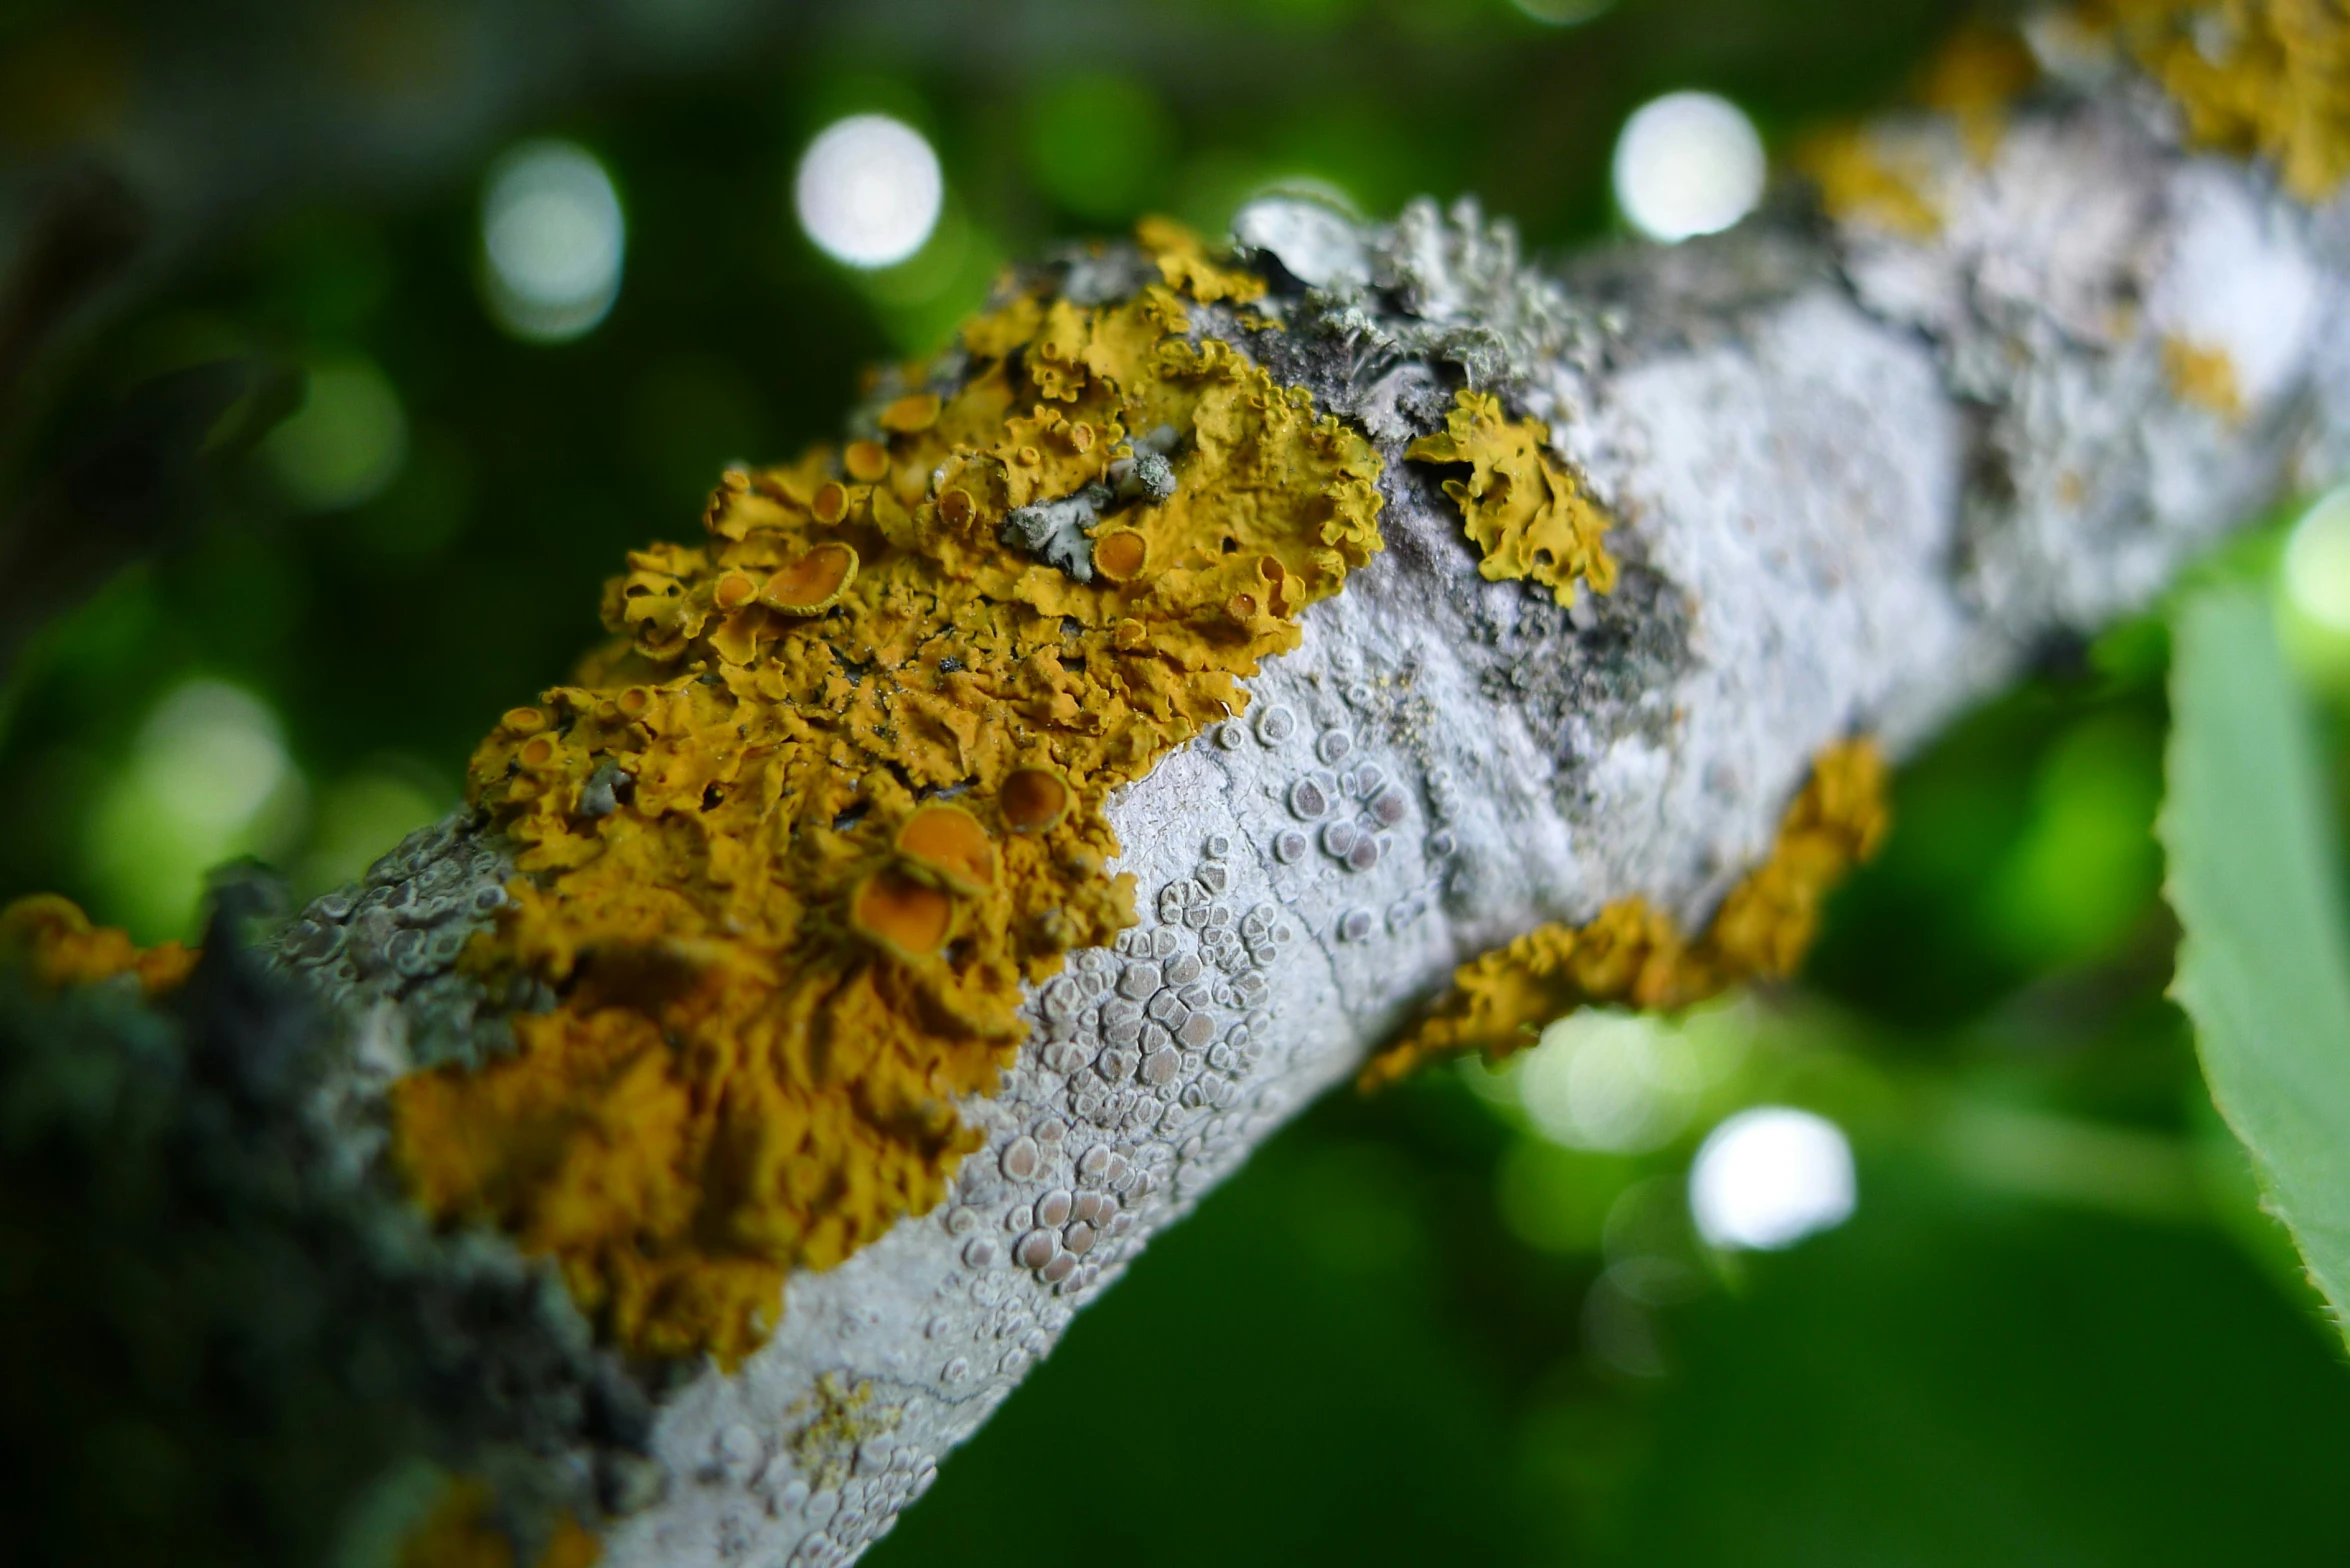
(553, 241)
(1615, 1082)
(2317, 563)
(1770, 1176)
(869, 190)
(1686, 164)
(346, 443)
(362, 815)
(208, 778)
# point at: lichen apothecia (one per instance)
(854, 751)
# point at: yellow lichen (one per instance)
(808, 586)
(462, 1532)
(1183, 260)
(785, 955)
(840, 1418)
(1120, 554)
(917, 411)
(1524, 511)
(1860, 177)
(2265, 77)
(908, 918)
(949, 843)
(1973, 78)
(59, 947)
(1632, 953)
(1035, 800)
(2203, 376)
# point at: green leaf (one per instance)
(2264, 962)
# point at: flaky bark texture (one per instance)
(1861, 473)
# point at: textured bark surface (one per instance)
(1862, 477)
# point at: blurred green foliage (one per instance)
(1420, 1328)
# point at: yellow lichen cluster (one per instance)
(839, 1419)
(462, 1532)
(1522, 509)
(1186, 264)
(794, 839)
(1860, 176)
(2266, 77)
(1973, 77)
(59, 947)
(1632, 953)
(2203, 376)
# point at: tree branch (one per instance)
(1863, 468)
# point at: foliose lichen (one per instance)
(792, 841)
(1632, 952)
(1521, 507)
(463, 1531)
(60, 947)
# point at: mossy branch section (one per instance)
(227, 1342)
(1631, 952)
(780, 953)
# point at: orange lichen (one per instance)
(1034, 800)
(948, 842)
(810, 585)
(911, 919)
(2205, 377)
(462, 1532)
(783, 956)
(2253, 77)
(1632, 953)
(1120, 554)
(915, 412)
(1524, 511)
(59, 947)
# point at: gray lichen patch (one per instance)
(1434, 285)
(1102, 274)
(1585, 676)
(394, 938)
(2135, 333)
(1593, 674)
(1060, 533)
